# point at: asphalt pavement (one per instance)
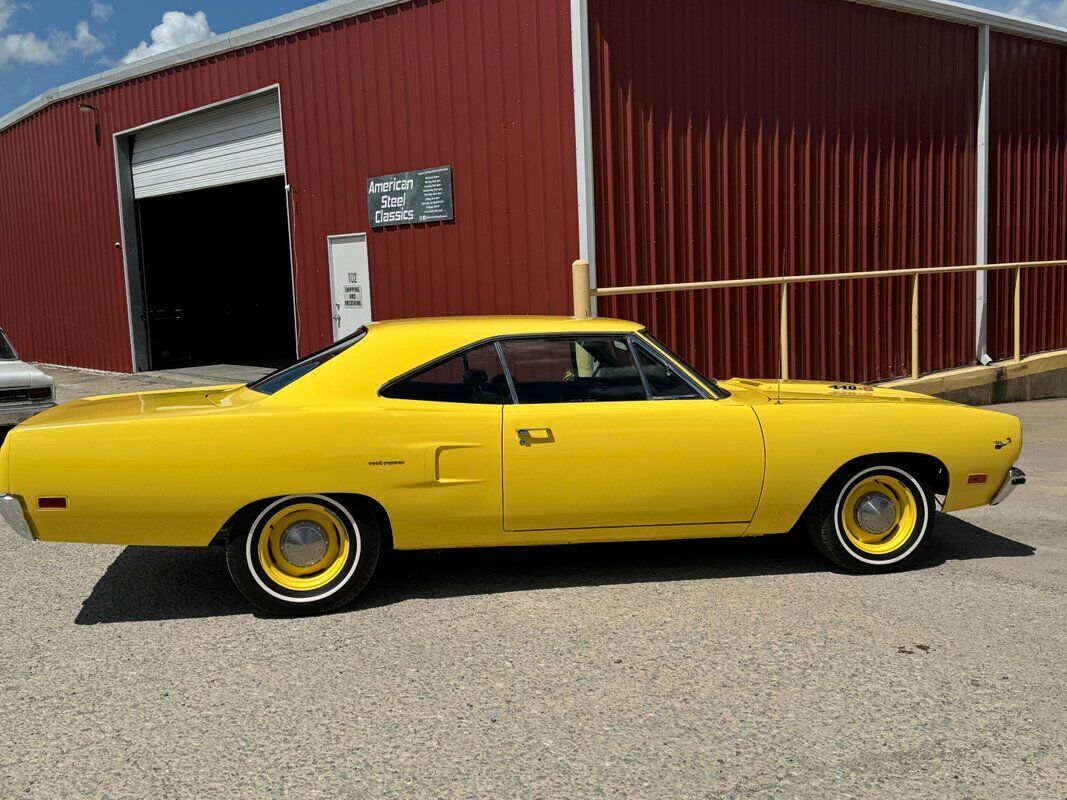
(743, 668)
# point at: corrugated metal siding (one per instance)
(750, 138)
(62, 293)
(1028, 182)
(483, 85)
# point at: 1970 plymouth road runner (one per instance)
(490, 431)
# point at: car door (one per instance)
(607, 434)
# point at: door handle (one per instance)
(526, 437)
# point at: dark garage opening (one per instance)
(216, 276)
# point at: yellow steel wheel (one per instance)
(302, 547)
(879, 514)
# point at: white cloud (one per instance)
(176, 30)
(102, 11)
(1053, 12)
(29, 48)
(7, 11)
(84, 42)
(26, 48)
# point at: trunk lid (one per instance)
(169, 403)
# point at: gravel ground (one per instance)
(728, 668)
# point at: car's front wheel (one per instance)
(876, 520)
(304, 554)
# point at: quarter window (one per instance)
(474, 376)
(573, 370)
(664, 382)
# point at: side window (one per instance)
(573, 370)
(475, 376)
(664, 382)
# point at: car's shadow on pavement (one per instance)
(158, 583)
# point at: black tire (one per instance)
(833, 532)
(354, 563)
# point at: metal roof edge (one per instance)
(960, 12)
(274, 28)
(333, 10)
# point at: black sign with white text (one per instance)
(408, 198)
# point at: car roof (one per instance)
(394, 347)
(485, 327)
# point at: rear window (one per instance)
(294, 372)
(7, 352)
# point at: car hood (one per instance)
(20, 375)
(786, 391)
(116, 407)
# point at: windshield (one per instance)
(269, 384)
(7, 352)
(710, 383)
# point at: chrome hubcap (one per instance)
(876, 512)
(304, 543)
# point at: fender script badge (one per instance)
(385, 463)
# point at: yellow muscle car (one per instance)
(489, 431)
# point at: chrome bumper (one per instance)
(13, 415)
(1016, 477)
(12, 513)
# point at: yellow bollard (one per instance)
(580, 271)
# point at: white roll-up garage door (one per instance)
(231, 143)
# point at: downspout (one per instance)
(583, 139)
(981, 279)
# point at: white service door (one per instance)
(349, 283)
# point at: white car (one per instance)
(24, 389)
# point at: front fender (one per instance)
(808, 442)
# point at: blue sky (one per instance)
(45, 43)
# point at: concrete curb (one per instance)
(1037, 377)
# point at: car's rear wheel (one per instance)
(304, 554)
(875, 520)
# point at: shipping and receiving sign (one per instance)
(408, 198)
(353, 291)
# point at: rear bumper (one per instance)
(1016, 477)
(14, 414)
(12, 513)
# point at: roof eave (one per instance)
(274, 28)
(334, 10)
(970, 15)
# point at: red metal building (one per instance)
(665, 140)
